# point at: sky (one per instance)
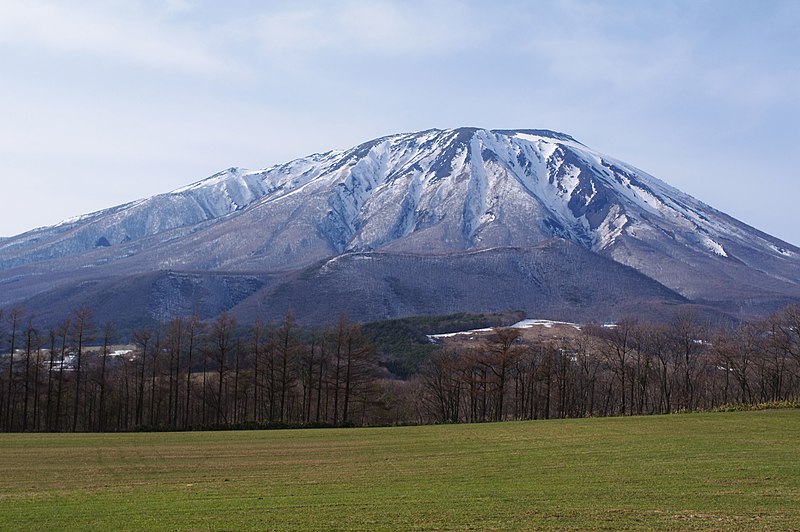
(106, 102)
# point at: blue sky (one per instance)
(110, 101)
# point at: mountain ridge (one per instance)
(434, 192)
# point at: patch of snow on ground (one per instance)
(647, 200)
(611, 228)
(570, 181)
(783, 251)
(327, 266)
(546, 145)
(524, 324)
(714, 246)
(549, 324)
(434, 337)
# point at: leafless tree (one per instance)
(81, 333)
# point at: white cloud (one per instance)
(658, 54)
(368, 27)
(127, 32)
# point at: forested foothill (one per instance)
(189, 374)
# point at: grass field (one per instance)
(738, 470)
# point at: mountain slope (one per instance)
(428, 193)
(555, 278)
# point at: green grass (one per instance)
(737, 470)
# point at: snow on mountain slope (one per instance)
(430, 192)
(208, 200)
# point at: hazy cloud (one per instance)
(374, 27)
(129, 32)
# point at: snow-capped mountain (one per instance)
(428, 193)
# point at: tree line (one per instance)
(183, 374)
(630, 368)
(191, 374)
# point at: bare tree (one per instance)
(616, 348)
(31, 337)
(288, 349)
(142, 339)
(498, 356)
(174, 342)
(443, 384)
(359, 365)
(688, 338)
(63, 331)
(81, 331)
(338, 339)
(108, 334)
(588, 364)
(193, 330)
(734, 352)
(222, 331)
(14, 319)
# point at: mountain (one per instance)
(404, 201)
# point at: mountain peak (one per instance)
(555, 135)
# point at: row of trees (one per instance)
(630, 368)
(191, 374)
(183, 374)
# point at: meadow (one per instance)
(732, 470)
